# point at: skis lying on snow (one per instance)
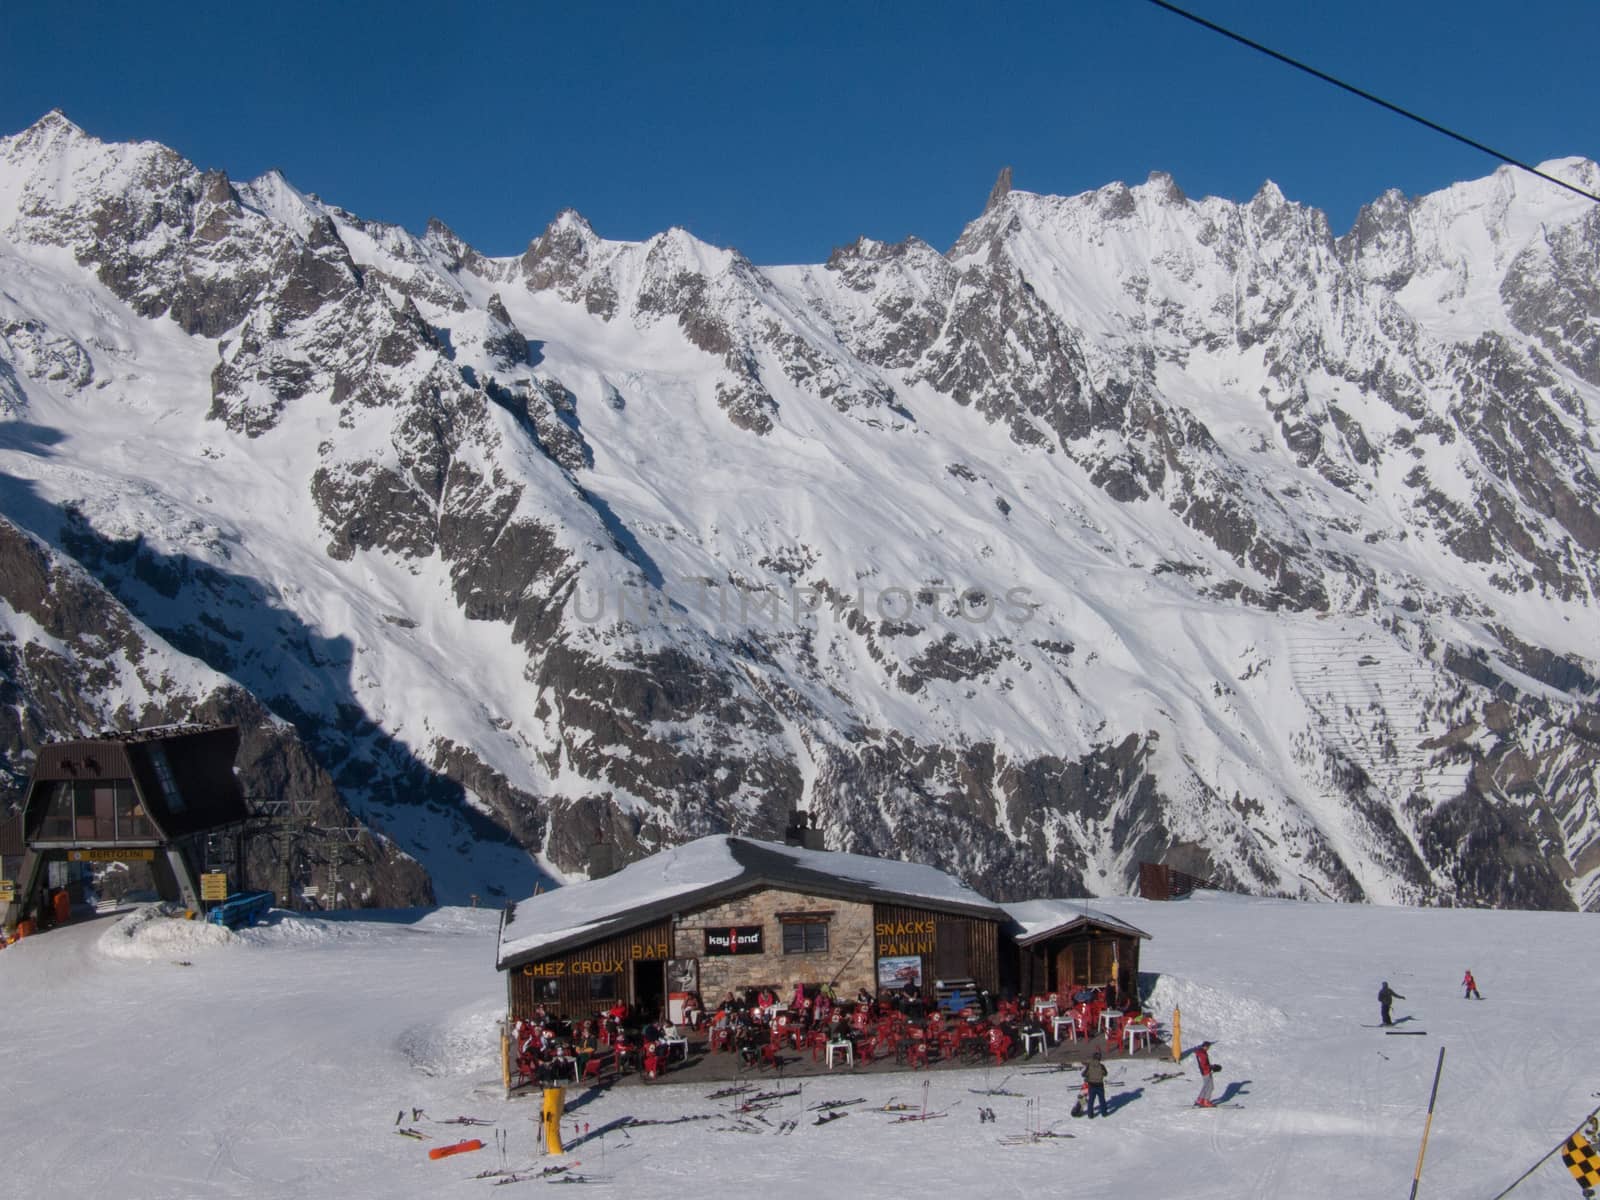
(827, 1104)
(1405, 1033)
(1163, 1076)
(997, 1090)
(761, 1096)
(635, 1122)
(411, 1133)
(463, 1121)
(933, 1116)
(519, 1174)
(1040, 1138)
(737, 1089)
(787, 1127)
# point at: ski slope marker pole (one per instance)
(1437, 1071)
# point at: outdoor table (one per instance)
(1133, 1032)
(681, 1043)
(1108, 1018)
(1069, 1023)
(1028, 1038)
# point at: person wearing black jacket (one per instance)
(1386, 997)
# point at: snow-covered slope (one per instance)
(1133, 527)
(273, 1064)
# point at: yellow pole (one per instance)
(555, 1101)
(1177, 1034)
(505, 1058)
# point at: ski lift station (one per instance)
(146, 799)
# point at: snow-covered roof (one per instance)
(700, 872)
(1040, 919)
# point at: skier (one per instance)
(1202, 1059)
(1094, 1075)
(1471, 984)
(1386, 997)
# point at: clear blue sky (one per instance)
(785, 131)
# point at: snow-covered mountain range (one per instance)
(1132, 527)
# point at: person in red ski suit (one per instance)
(1208, 1069)
(1471, 984)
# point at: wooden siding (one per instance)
(950, 947)
(571, 984)
(1076, 960)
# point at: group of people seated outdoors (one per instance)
(547, 1049)
(759, 1023)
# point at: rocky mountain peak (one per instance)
(1164, 188)
(1001, 189)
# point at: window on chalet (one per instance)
(605, 987)
(805, 936)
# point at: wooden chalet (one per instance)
(1062, 946)
(724, 913)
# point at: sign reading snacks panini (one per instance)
(131, 855)
(735, 939)
(214, 886)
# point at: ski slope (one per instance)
(274, 1065)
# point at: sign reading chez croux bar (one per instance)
(599, 962)
(734, 939)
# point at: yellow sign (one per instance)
(130, 855)
(214, 886)
(897, 939)
(556, 968)
(8, 891)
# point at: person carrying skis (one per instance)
(1094, 1077)
(1386, 998)
(1208, 1069)
(1471, 984)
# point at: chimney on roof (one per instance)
(800, 832)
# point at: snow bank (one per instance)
(1214, 1014)
(160, 932)
(464, 1042)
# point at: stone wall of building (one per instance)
(849, 962)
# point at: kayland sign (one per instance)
(735, 939)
